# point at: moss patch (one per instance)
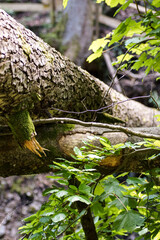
(22, 126)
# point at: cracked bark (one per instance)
(37, 77)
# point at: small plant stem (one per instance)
(120, 201)
(87, 222)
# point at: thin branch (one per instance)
(74, 221)
(154, 100)
(128, 50)
(120, 201)
(102, 108)
(141, 75)
(112, 71)
(96, 124)
(137, 6)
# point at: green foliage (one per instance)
(142, 50)
(65, 2)
(112, 3)
(119, 204)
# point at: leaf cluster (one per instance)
(120, 204)
(140, 34)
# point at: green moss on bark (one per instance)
(22, 126)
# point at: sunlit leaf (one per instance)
(78, 198)
(59, 217)
(95, 55)
(77, 151)
(101, 42)
(156, 3)
(65, 3)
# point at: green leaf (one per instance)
(44, 219)
(105, 140)
(74, 188)
(99, 1)
(127, 28)
(124, 6)
(59, 217)
(30, 218)
(37, 236)
(77, 151)
(157, 143)
(99, 189)
(85, 189)
(101, 42)
(157, 116)
(47, 212)
(119, 32)
(65, 2)
(124, 57)
(112, 186)
(114, 3)
(49, 191)
(119, 203)
(119, 146)
(136, 181)
(97, 209)
(128, 220)
(61, 193)
(156, 3)
(106, 143)
(78, 198)
(95, 55)
(149, 64)
(140, 62)
(134, 40)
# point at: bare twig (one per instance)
(141, 75)
(112, 71)
(120, 201)
(96, 124)
(141, 8)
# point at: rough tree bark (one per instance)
(36, 77)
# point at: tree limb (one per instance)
(60, 139)
(98, 125)
(35, 76)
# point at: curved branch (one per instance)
(100, 125)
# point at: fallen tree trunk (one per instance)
(36, 77)
(60, 139)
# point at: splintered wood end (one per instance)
(34, 146)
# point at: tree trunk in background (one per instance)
(36, 77)
(79, 30)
